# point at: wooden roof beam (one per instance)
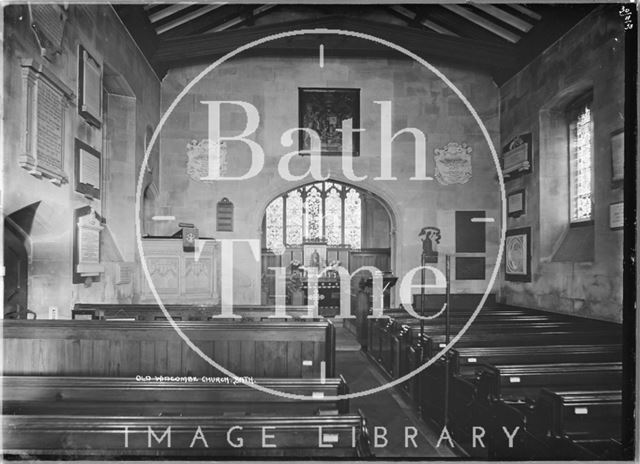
(526, 11)
(483, 22)
(181, 51)
(168, 11)
(188, 17)
(425, 22)
(504, 16)
(239, 20)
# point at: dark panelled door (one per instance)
(16, 261)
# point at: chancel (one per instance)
(319, 231)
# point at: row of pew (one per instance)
(179, 312)
(555, 378)
(120, 389)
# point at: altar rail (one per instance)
(109, 348)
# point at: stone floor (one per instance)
(386, 409)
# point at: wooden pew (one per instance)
(148, 397)
(505, 395)
(152, 312)
(466, 359)
(292, 349)
(402, 334)
(391, 336)
(516, 381)
(563, 424)
(395, 344)
(68, 436)
(398, 334)
(525, 335)
(390, 316)
(587, 414)
(464, 364)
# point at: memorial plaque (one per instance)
(47, 22)
(616, 215)
(87, 170)
(86, 245)
(617, 156)
(224, 216)
(516, 157)
(46, 102)
(50, 125)
(89, 242)
(90, 88)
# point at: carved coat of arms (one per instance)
(453, 163)
(198, 159)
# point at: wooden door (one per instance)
(16, 261)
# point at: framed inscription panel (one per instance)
(87, 170)
(86, 245)
(616, 215)
(517, 262)
(48, 24)
(224, 215)
(89, 88)
(516, 203)
(516, 157)
(617, 156)
(328, 112)
(46, 100)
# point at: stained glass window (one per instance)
(353, 215)
(275, 239)
(580, 161)
(294, 215)
(313, 215)
(333, 217)
(321, 211)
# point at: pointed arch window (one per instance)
(328, 211)
(580, 162)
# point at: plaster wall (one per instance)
(98, 29)
(419, 99)
(588, 58)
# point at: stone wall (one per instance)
(98, 29)
(590, 58)
(419, 99)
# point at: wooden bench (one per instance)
(148, 397)
(466, 359)
(578, 414)
(395, 339)
(525, 336)
(390, 338)
(464, 363)
(152, 312)
(517, 381)
(574, 424)
(292, 349)
(69, 436)
(505, 395)
(391, 316)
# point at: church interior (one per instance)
(319, 231)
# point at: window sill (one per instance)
(588, 223)
(578, 244)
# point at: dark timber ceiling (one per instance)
(499, 39)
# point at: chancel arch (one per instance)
(333, 221)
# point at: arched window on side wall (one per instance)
(328, 211)
(580, 161)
